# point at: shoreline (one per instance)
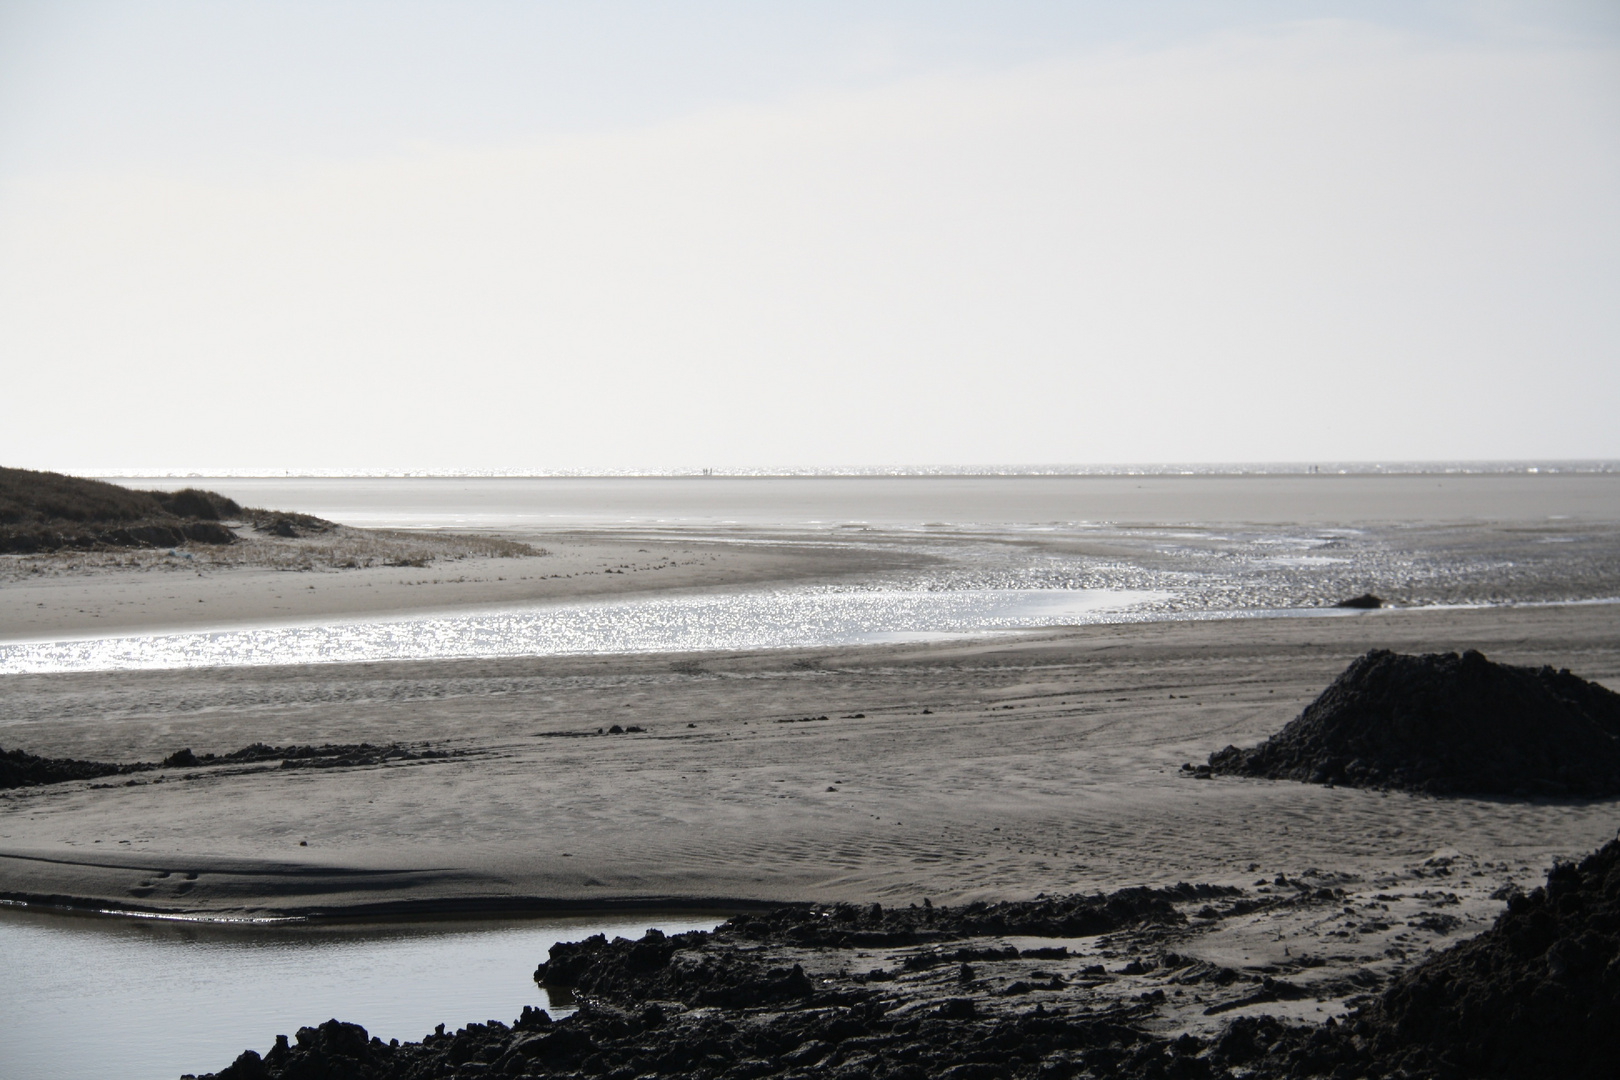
(919, 637)
(148, 593)
(1107, 618)
(394, 912)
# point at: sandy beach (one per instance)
(956, 770)
(1023, 767)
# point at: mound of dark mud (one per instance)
(1447, 724)
(1537, 995)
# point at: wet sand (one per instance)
(103, 594)
(996, 768)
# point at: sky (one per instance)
(536, 236)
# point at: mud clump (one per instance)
(722, 968)
(670, 969)
(859, 1041)
(1537, 995)
(1447, 725)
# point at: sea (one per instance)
(1003, 553)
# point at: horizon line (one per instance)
(1523, 466)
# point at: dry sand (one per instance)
(990, 768)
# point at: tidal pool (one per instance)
(147, 999)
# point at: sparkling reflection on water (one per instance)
(687, 623)
(143, 999)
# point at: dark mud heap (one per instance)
(1536, 996)
(1447, 724)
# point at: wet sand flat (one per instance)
(104, 594)
(998, 767)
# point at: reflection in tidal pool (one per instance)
(87, 996)
(680, 623)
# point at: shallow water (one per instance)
(997, 554)
(100, 997)
(685, 623)
(520, 503)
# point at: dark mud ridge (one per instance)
(1447, 724)
(1537, 995)
(21, 769)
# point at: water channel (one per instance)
(146, 999)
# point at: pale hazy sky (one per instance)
(605, 235)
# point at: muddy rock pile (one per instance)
(1537, 995)
(675, 968)
(858, 1041)
(702, 969)
(1447, 724)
